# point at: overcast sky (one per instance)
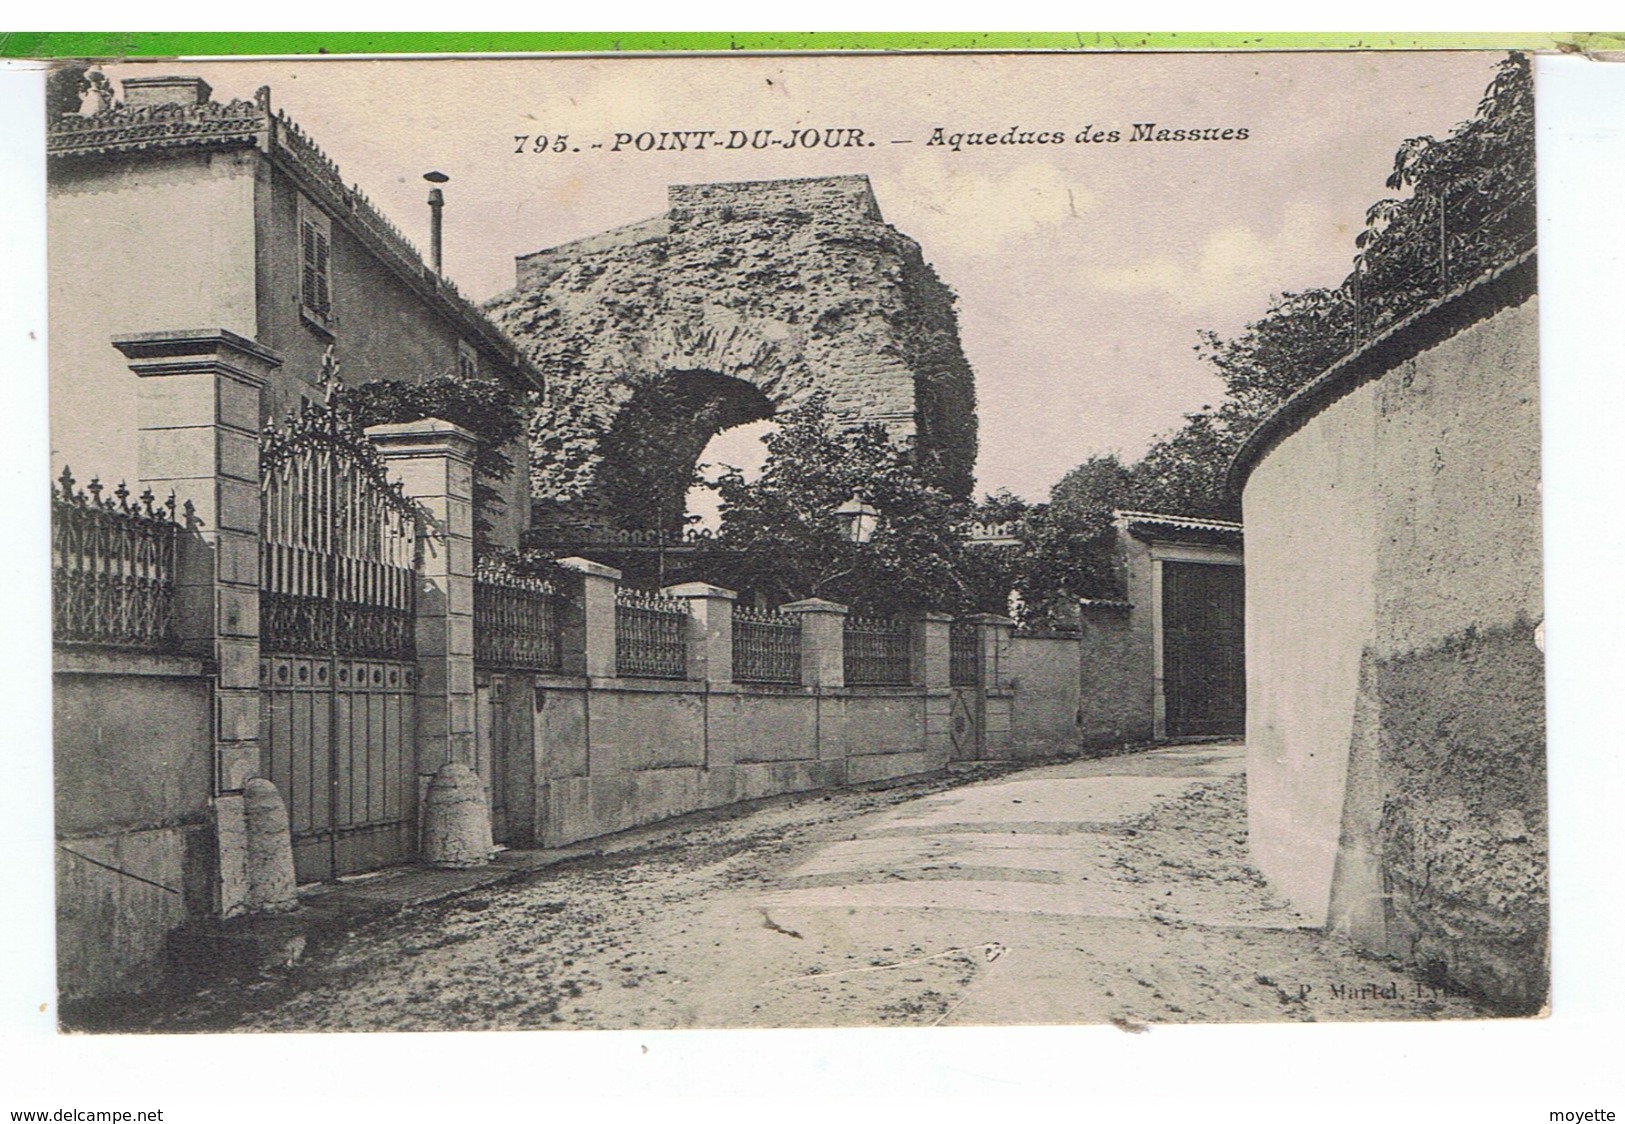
(1084, 271)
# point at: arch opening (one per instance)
(744, 447)
(650, 454)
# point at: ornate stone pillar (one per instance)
(928, 648)
(434, 462)
(589, 639)
(823, 644)
(198, 414)
(929, 671)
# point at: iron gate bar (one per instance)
(651, 635)
(964, 654)
(516, 620)
(112, 566)
(338, 552)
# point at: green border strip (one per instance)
(172, 44)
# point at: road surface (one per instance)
(1113, 890)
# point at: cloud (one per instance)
(946, 203)
(1299, 251)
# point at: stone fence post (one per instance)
(993, 635)
(823, 641)
(710, 630)
(434, 462)
(198, 414)
(928, 648)
(589, 636)
(929, 655)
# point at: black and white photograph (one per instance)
(765, 541)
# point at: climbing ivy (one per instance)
(494, 414)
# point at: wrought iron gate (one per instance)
(337, 675)
(966, 716)
(516, 636)
(1204, 672)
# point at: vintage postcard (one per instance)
(796, 541)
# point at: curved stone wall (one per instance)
(1395, 709)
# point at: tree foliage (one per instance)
(781, 536)
(63, 88)
(1065, 552)
(1469, 204)
(494, 414)
(1466, 205)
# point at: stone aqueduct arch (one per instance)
(741, 299)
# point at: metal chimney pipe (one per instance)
(437, 203)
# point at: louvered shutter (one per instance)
(324, 301)
(315, 251)
(308, 254)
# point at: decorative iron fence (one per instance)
(112, 566)
(875, 652)
(964, 654)
(516, 620)
(767, 647)
(337, 543)
(651, 635)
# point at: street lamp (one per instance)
(858, 520)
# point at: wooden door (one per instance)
(1204, 669)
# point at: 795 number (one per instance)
(540, 143)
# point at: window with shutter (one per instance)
(315, 251)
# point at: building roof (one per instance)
(142, 130)
(1179, 528)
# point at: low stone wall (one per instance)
(1116, 678)
(615, 754)
(135, 842)
(1396, 705)
(1045, 704)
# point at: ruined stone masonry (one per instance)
(739, 300)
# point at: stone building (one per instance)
(172, 211)
(739, 299)
(1167, 660)
(209, 268)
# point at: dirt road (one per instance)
(1114, 890)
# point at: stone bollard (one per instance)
(271, 885)
(456, 820)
